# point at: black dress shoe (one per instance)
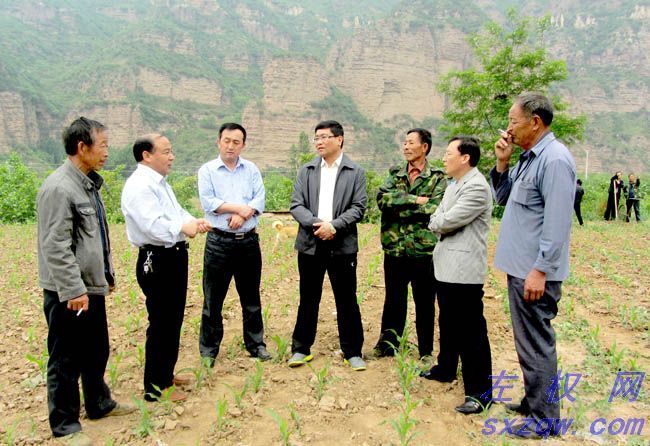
(520, 408)
(261, 353)
(472, 406)
(434, 374)
(530, 431)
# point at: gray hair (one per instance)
(536, 104)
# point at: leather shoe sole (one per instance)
(181, 380)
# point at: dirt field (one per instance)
(602, 327)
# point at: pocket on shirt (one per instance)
(458, 247)
(87, 218)
(527, 194)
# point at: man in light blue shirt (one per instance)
(533, 245)
(158, 225)
(232, 195)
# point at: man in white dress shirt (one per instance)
(158, 225)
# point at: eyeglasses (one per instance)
(322, 138)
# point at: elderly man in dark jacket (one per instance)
(328, 201)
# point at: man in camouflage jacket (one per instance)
(408, 197)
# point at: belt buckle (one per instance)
(240, 235)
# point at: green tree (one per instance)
(278, 191)
(511, 59)
(18, 189)
(112, 193)
(300, 154)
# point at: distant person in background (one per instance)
(75, 271)
(157, 225)
(577, 200)
(616, 185)
(633, 198)
(408, 197)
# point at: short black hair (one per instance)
(333, 126)
(82, 129)
(232, 126)
(579, 181)
(533, 103)
(469, 145)
(144, 143)
(425, 137)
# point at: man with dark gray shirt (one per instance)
(533, 245)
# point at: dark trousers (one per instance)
(576, 208)
(633, 204)
(463, 333)
(610, 211)
(223, 259)
(342, 271)
(164, 283)
(398, 273)
(535, 344)
(78, 346)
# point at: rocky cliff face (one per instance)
(392, 72)
(388, 67)
(274, 123)
(21, 122)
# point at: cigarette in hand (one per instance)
(80, 311)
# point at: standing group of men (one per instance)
(434, 237)
(632, 193)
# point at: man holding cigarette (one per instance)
(158, 225)
(76, 272)
(533, 245)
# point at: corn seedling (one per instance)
(281, 348)
(238, 395)
(266, 314)
(10, 431)
(113, 369)
(615, 356)
(295, 417)
(222, 413)
(145, 425)
(140, 355)
(40, 361)
(405, 423)
(321, 380)
(163, 398)
(235, 346)
(406, 366)
(283, 426)
(256, 380)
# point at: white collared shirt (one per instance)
(327, 183)
(151, 211)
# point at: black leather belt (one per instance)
(234, 235)
(177, 246)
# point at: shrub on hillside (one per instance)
(18, 189)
